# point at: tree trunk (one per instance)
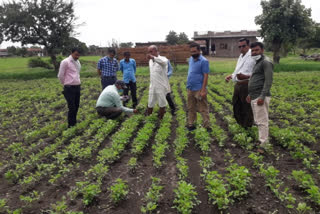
(276, 46)
(54, 62)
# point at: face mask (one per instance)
(256, 57)
(120, 90)
(195, 56)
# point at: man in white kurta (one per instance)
(159, 82)
(241, 109)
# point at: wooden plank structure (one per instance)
(177, 54)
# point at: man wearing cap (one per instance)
(109, 103)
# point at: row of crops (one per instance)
(138, 164)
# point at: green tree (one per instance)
(73, 42)
(172, 38)
(41, 22)
(126, 45)
(12, 50)
(312, 40)
(21, 51)
(183, 38)
(283, 21)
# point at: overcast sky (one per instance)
(149, 20)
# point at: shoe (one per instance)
(173, 112)
(191, 128)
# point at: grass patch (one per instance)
(17, 67)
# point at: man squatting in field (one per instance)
(107, 68)
(128, 68)
(241, 109)
(197, 81)
(259, 91)
(168, 96)
(109, 103)
(69, 76)
(159, 82)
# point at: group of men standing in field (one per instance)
(252, 75)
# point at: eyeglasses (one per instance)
(242, 46)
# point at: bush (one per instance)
(38, 62)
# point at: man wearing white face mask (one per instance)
(259, 91)
(109, 103)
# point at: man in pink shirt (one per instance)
(69, 76)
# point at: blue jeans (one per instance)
(107, 80)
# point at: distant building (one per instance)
(35, 52)
(223, 44)
(4, 53)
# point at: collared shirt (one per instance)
(244, 66)
(197, 69)
(108, 66)
(69, 71)
(110, 97)
(170, 70)
(129, 70)
(261, 79)
(159, 81)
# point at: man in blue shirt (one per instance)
(128, 68)
(168, 97)
(197, 81)
(107, 69)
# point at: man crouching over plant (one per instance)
(109, 103)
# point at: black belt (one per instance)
(72, 86)
(108, 77)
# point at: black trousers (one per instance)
(241, 109)
(132, 86)
(170, 102)
(107, 80)
(72, 95)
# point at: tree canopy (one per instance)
(173, 38)
(283, 21)
(42, 22)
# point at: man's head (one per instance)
(243, 45)
(153, 50)
(195, 50)
(75, 53)
(120, 84)
(127, 55)
(111, 52)
(257, 48)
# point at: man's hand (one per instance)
(149, 56)
(135, 111)
(248, 99)
(260, 102)
(228, 78)
(203, 93)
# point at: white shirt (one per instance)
(244, 66)
(159, 81)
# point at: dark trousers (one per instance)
(132, 86)
(72, 95)
(241, 109)
(109, 112)
(170, 102)
(107, 80)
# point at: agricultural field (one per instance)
(138, 164)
